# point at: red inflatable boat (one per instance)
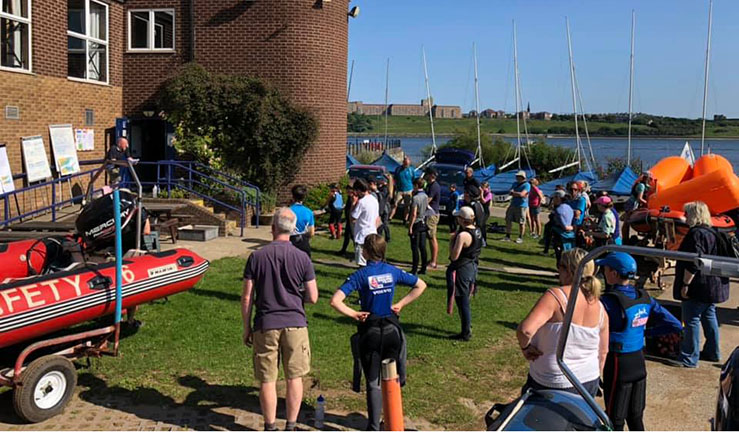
(34, 306)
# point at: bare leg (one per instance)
(268, 401)
(434, 251)
(521, 229)
(294, 398)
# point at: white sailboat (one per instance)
(478, 153)
(705, 75)
(431, 115)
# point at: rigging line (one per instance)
(585, 125)
(572, 85)
(387, 92)
(428, 102)
(706, 74)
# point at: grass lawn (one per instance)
(190, 349)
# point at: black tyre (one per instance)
(48, 384)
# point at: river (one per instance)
(649, 150)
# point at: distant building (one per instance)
(524, 115)
(422, 109)
(542, 115)
(717, 117)
(493, 114)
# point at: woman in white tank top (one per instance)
(587, 344)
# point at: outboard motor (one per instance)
(727, 405)
(97, 227)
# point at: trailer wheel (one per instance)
(48, 384)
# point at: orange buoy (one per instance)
(718, 189)
(671, 171)
(392, 401)
(709, 163)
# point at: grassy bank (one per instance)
(190, 351)
(420, 125)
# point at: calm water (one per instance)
(649, 150)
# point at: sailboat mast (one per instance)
(518, 95)
(351, 76)
(574, 98)
(477, 109)
(428, 102)
(631, 86)
(705, 82)
(387, 91)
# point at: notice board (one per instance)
(35, 159)
(64, 148)
(6, 176)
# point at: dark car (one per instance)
(727, 405)
(450, 164)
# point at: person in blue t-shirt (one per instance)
(578, 202)
(518, 208)
(454, 202)
(629, 310)
(305, 223)
(404, 176)
(380, 334)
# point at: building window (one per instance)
(15, 34)
(87, 40)
(151, 30)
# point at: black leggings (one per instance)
(624, 395)
(375, 344)
(348, 236)
(418, 245)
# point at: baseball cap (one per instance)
(558, 193)
(604, 200)
(466, 213)
(622, 262)
(521, 173)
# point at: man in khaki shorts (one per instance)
(519, 206)
(404, 176)
(278, 279)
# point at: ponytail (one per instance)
(591, 287)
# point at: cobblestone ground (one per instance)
(117, 412)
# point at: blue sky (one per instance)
(669, 55)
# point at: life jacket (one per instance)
(338, 201)
(636, 311)
(472, 252)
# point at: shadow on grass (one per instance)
(519, 264)
(513, 282)
(508, 324)
(216, 294)
(408, 328)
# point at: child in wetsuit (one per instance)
(629, 309)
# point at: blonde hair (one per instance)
(589, 284)
(697, 213)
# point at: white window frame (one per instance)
(26, 21)
(151, 33)
(87, 39)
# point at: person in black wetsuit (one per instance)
(351, 199)
(380, 333)
(629, 310)
(461, 274)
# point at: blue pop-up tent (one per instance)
(351, 160)
(549, 187)
(617, 184)
(501, 183)
(387, 161)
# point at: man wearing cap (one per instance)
(578, 202)
(629, 310)
(562, 229)
(519, 206)
(461, 273)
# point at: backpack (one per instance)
(726, 245)
(338, 201)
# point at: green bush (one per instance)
(318, 194)
(238, 124)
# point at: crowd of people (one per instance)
(606, 344)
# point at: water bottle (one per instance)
(155, 191)
(320, 412)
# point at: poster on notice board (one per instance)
(64, 148)
(34, 157)
(6, 176)
(85, 139)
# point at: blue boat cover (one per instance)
(485, 174)
(549, 187)
(351, 160)
(387, 161)
(617, 184)
(501, 183)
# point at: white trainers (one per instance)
(519, 240)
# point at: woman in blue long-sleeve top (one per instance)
(629, 309)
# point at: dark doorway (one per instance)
(149, 143)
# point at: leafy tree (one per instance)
(239, 124)
(358, 123)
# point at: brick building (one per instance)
(422, 109)
(59, 59)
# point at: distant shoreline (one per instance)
(634, 137)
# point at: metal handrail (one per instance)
(707, 264)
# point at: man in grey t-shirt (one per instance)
(278, 279)
(417, 228)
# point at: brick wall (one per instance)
(47, 97)
(300, 46)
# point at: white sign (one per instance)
(6, 176)
(34, 156)
(85, 139)
(65, 152)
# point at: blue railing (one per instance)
(192, 177)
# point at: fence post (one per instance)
(169, 180)
(53, 201)
(258, 207)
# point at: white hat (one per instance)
(466, 213)
(521, 173)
